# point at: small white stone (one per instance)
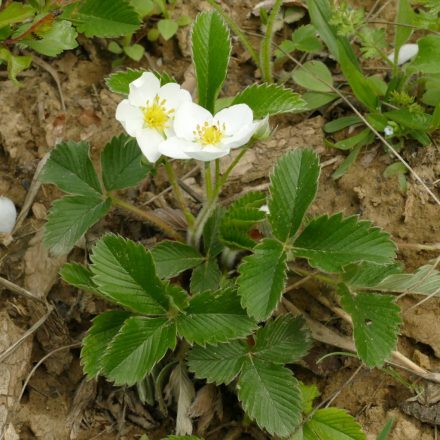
(8, 215)
(406, 52)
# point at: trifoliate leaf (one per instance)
(376, 321)
(218, 363)
(139, 345)
(104, 328)
(60, 36)
(332, 424)
(214, 317)
(211, 47)
(315, 76)
(282, 341)
(124, 272)
(262, 278)
(269, 99)
(103, 18)
(293, 186)
(172, 258)
(70, 168)
(70, 218)
(79, 276)
(239, 218)
(330, 243)
(205, 277)
(121, 163)
(271, 396)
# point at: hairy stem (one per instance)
(149, 217)
(266, 44)
(178, 194)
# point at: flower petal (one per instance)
(242, 137)
(149, 141)
(145, 88)
(234, 118)
(188, 117)
(207, 153)
(174, 95)
(174, 147)
(130, 117)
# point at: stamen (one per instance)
(156, 115)
(209, 134)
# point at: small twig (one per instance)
(19, 290)
(29, 332)
(53, 73)
(418, 246)
(31, 194)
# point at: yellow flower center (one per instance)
(209, 134)
(156, 114)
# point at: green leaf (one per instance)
(358, 82)
(70, 218)
(293, 187)
(104, 328)
(70, 168)
(314, 75)
(103, 18)
(143, 7)
(316, 100)
(136, 349)
(330, 243)
(405, 17)
(240, 217)
(172, 258)
(124, 272)
(376, 321)
(341, 123)
(135, 51)
(282, 341)
(61, 36)
(119, 82)
(15, 12)
(386, 430)
(304, 39)
(360, 139)
(121, 164)
(348, 162)
(428, 58)
(211, 47)
(183, 437)
(79, 276)
(262, 278)
(214, 317)
(368, 274)
(269, 99)
(332, 424)
(167, 28)
(205, 277)
(424, 281)
(270, 395)
(211, 234)
(16, 64)
(309, 394)
(217, 363)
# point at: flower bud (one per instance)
(8, 215)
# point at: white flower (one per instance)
(149, 111)
(201, 136)
(8, 215)
(388, 130)
(406, 52)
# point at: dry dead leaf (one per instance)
(206, 405)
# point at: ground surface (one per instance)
(58, 403)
